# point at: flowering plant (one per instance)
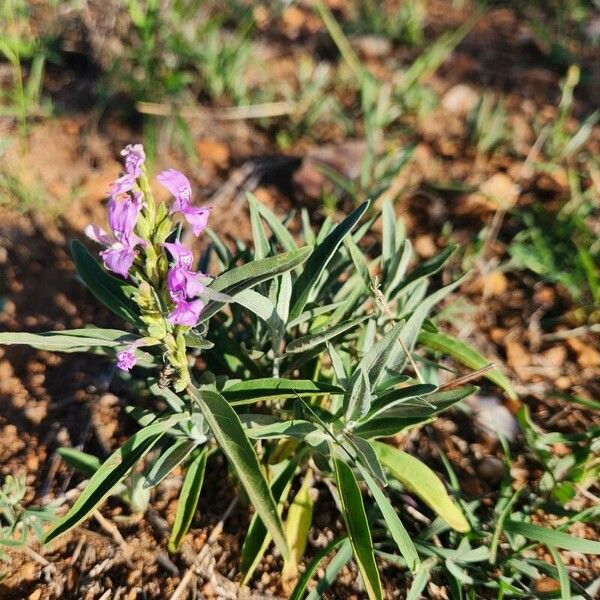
(309, 368)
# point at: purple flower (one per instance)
(122, 185)
(186, 313)
(179, 186)
(183, 283)
(126, 359)
(182, 255)
(123, 213)
(134, 157)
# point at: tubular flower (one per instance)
(123, 213)
(133, 159)
(179, 186)
(126, 359)
(182, 255)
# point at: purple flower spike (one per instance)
(186, 313)
(179, 186)
(133, 159)
(184, 283)
(126, 359)
(182, 255)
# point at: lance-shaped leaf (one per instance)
(249, 275)
(397, 358)
(400, 395)
(274, 388)
(114, 293)
(358, 399)
(71, 340)
(357, 525)
(466, 355)
(297, 527)
(419, 479)
(308, 342)
(229, 433)
(397, 418)
(111, 473)
(281, 233)
(171, 456)
(337, 563)
(319, 260)
(392, 520)
(551, 537)
(258, 538)
(188, 500)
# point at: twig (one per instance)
(466, 378)
(229, 113)
(113, 531)
(204, 552)
(578, 331)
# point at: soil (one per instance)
(49, 400)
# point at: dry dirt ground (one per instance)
(48, 401)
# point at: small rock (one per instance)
(425, 246)
(460, 99)
(516, 355)
(372, 46)
(555, 356)
(494, 417)
(491, 469)
(501, 190)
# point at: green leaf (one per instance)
(395, 419)
(392, 520)
(320, 258)
(419, 479)
(366, 456)
(426, 269)
(420, 580)
(261, 243)
(551, 537)
(358, 399)
(71, 340)
(111, 473)
(338, 562)
(359, 261)
(279, 231)
(357, 525)
(342, 557)
(260, 305)
(563, 575)
(247, 276)
(296, 428)
(374, 360)
(274, 388)
(114, 293)
(308, 342)
(171, 456)
(257, 539)
(397, 359)
(85, 463)
(188, 500)
(401, 395)
(466, 355)
(229, 433)
(297, 527)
